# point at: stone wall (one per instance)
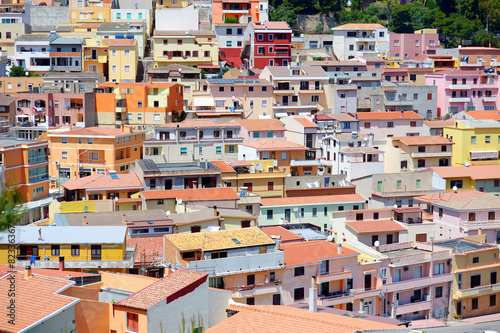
(308, 23)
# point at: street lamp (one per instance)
(78, 164)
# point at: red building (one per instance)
(267, 44)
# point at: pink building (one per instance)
(258, 129)
(407, 46)
(460, 90)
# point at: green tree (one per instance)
(230, 20)
(330, 6)
(11, 207)
(285, 13)
(357, 5)
(319, 27)
(17, 71)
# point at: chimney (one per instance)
(122, 127)
(313, 296)
(85, 220)
(27, 272)
(402, 114)
(339, 248)
(124, 219)
(479, 231)
(61, 263)
(215, 211)
(70, 127)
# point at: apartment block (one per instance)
(408, 46)
(89, 11)
(122, 60)
(230, 11)
(479, 58)
(403, 97)
(8, 34)
(125, 30)
(88, 151)
(482, 178)
(231, 38)
(359, 39)
(267, 44)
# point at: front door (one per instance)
(368, 282)
(285, 100)
(459, 308)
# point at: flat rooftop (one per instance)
(461, 245)
(404, 252)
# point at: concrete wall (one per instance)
(218, 300)
(48, 16)
(62, 322)
(177, 18)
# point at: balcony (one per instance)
(336, 298)
(65, 54)
(345, 273)
(67, 68)
(236, 11)
(121, 109)
(490, 99)
(399, 102)
(295, 163)
(477, 291)
(418, 283)
(460, 86)
(257, 289)
(102, 261)
(419, 258)
(364, 292)
(471, 64)
(459, 99)
(86, 161)
(439, 154)
(413, 307)
(312, 91)
(479, 224)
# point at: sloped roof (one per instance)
(286, 236)
(261, 125)
(171, 287)
(312, 252)
(423, 140)
(473, 204)
(305, 122)
(477, 172)
(223, 166)
(192, 123)
(388, 115)
(36, 298)
(359, 26)
(270, 25)
(103, 182)
(439, 123)
(197, 194)
(220, 240)
(286, 319)
(272, 144)
(375, 226)
(148, 248)
(122, 42)
(450, 196)
(90, 131)
(484, 114)
(64, 274)
(322, 199)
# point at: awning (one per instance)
(281, 47)
(280, 114)
(203, 101)
(304, 112)
(483, 155)
(370, 271)
(208, 66)
(408, 210)
(240, 163)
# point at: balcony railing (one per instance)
(420, 305)
(418, 283)
(478, 224)
(478, 291)
(257, 289)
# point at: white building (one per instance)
(133, 15)
(177, 19)
(358, 39)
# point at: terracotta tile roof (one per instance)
(286, 319)
(124, 42)
(423, 140)
(139, 84)
(91, 131)
(439, 123)
(374, 226)
(36, 299)
(219, 240)
(170, 288)
(223, 166)
(65, 274)
(477, 172)
(286, 236)
(193, 123)
(450, 196)
(493, 114)
(388, 115)
(148, 248)
(323, 199)
(339, 117)
(272, 144)
(359, 26)
(473, 204)
(261, 125)
(311, 252)
(270, 25)
(305, 122)
(102, 181)
(198, 194)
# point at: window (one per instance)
(270, 49)
(359, 216)
(261, 50)
(413, 123)
(270, 186)
(55, 251)
(475, 280)
(264, 103)
(473, 139)
(493, 277)
(90, 141)
(260, 37)
(475, 260)
(298, 294)
(64, 155)
(140, 16)
(75, 250)
(379, 185)
(367, 125)
(439, 292)
(269, 214)
(283, 156)
(183, 151)
(429, 96)
(493, 300)
(218, 150)
(421, 163)
(399, 203)
(472, 217)
(410, 203)
(457, 183)
(487, 139)
(438, 269)
(390, 124)
(399, 184)
(491, 216)
(315, 212)
(475, 304)
(132, 322)
(113, 68)
(64, 140)
(299, 271)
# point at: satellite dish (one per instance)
(330, 238)
(116, 199)
(365, 138)
(179, 202)
(377, 243)
(413, 244)
(86, 209)
(466, 164)
(454, 188)
(168, 212)
(295, 209)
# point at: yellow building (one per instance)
(162, 4)
(122, 60)
(12, 85)
(192, 48)
(268, 184)
(477, 142)
(89, 11)
(95, 56)
(476, 288)
(8, 34)
(73, 248)
(93, 150)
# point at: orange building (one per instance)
(244, 11)
(92, 150)
(24, 164)
(140, 105)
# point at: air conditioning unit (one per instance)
(406, 268)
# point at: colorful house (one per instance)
(358, 39)
(482, 178)
(407, 46)
(93, 150)
(241, 11)
(122, 60)
(89, 11)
